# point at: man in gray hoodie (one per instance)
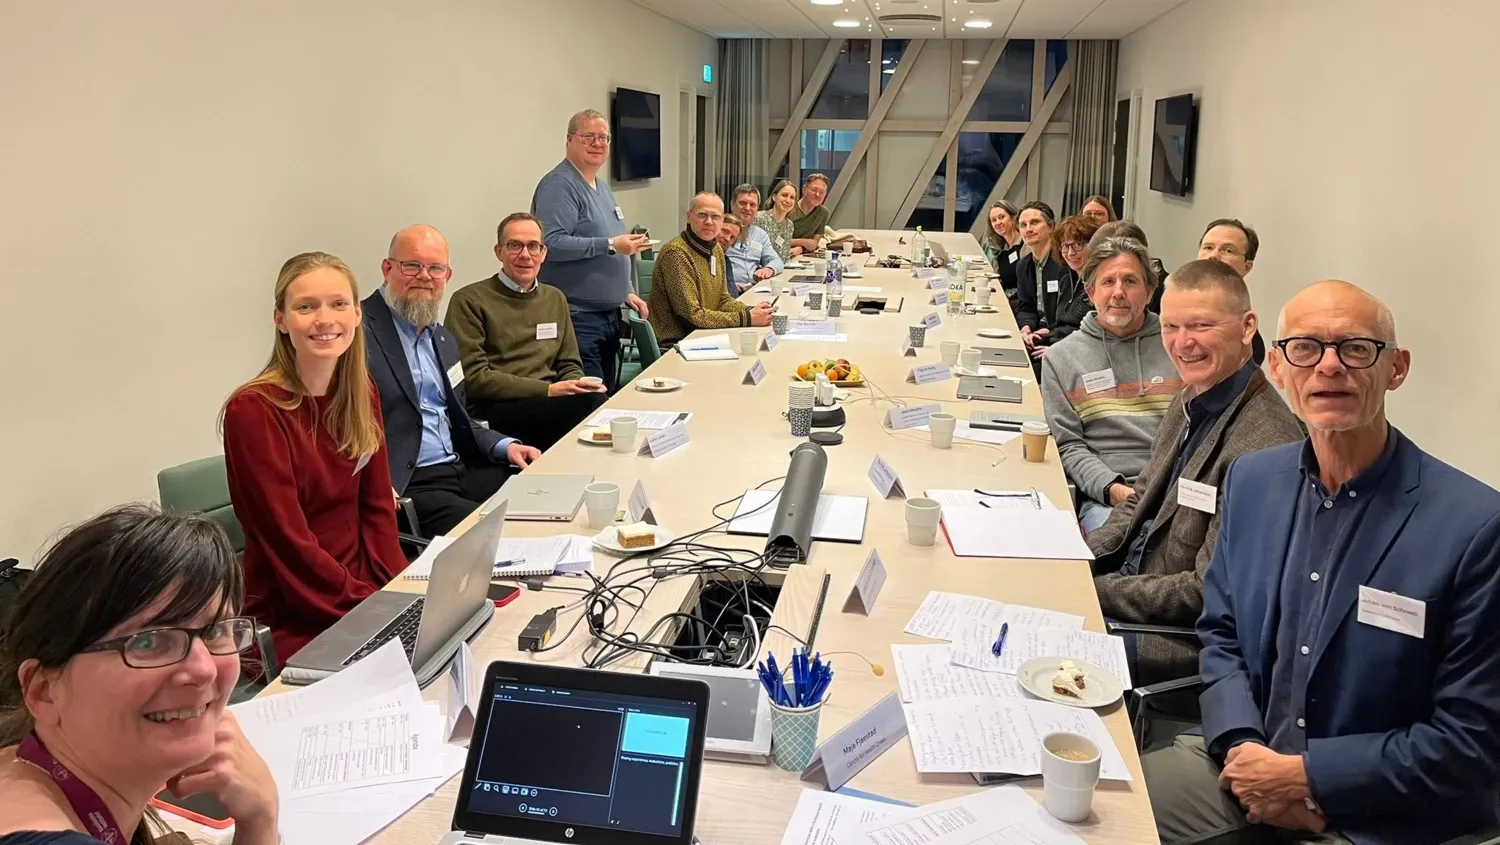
(1107, 386)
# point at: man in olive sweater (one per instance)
(516, 341)
(688, 286)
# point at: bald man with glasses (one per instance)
(518, 343)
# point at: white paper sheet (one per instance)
(827, 338)
(1005, 815)
(351, 817)
(559, 553)
(943, 616)
(645, 419)
(385, 671)
(828, 818)
(839, 518)
(972, 648)
(1000, 735)
(964, 431)
(421, 568)
(993, 532)
(1014, 500)
(927, 673)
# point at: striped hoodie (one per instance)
(1105, 435)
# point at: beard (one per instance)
(1116, 320)
(420, 311)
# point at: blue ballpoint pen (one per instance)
(779, 694)
(999, 645)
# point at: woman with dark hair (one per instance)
(775, 219)
(306, 455)
(1098, 209)
(115, 669)
(1002, 244)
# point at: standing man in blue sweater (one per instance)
(588, 252)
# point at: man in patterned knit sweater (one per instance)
(688, 285)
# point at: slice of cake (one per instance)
(600, 435)
(1069, 680)
(636, 536)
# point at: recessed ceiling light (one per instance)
(971, 61)
(846, 23)
(889, 70)
(828, 2)
(977, 23)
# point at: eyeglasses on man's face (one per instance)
(708, 216)
(413, 269)
(1356, 353)
(157, 647)
(528, 247)
(592, 138)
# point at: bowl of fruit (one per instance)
(838, 370)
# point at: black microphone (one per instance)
(797, 505)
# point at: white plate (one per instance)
(996, 333)
(668, 385)
(1101, 688)
(986, 309)
(983, 372)
(608, 541)
(587, 436)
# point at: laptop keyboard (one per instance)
(403, 627)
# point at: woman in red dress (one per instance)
(306, 455)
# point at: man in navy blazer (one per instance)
(439, 457)
(1351, 619)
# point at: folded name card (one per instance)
(924, 272)
(639, 507)
(867, 586)
(906, 348)
(770, 342)
(938, 284)
(800, 290)
(940, 297)
(884, 477)
(932, 320)
(661, 442)
(915, 415)
(755, 374)
(928, 373)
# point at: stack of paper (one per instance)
(942, 615)
(928, 673)
(652, 420)
(421, 568)
(714, 347)
(1001, 816)
(1014, 533)
(564, 553)
(353, 752)
(1001, 735)
(972, 649)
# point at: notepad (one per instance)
(527, 556)
(837, 518)
(714, 347)
(1027, 533)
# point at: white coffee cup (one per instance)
(622, 433)
(592, 380)
(942, 427)
(602, 500)
(1070, 771)
(970, 359)
(949, 350)
(982, 295)
(922, 516)
(749, 342)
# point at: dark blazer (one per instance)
(1061, 312)
(1168, 587)
(398, 395)
(1403, 734)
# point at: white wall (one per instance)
(1359, 137)
(160, 159)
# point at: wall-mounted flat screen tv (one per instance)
(1174, 141)
(636, 126)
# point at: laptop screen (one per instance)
(586, 758)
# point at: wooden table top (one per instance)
(739, 440)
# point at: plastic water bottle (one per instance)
(834, 281)
(956, 279)
(919, 251)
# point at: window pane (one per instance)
(825, 151)
(892, 49)
(846, 94)
(929, 211)
(1057, 56)
(982, 156)
(1007, 93)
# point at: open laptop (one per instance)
(997, 356)
(989, 389)
(430, 627)
(544, 498)
(582, 756)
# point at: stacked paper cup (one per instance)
(800, 407)
(835, 306)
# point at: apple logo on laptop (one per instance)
(463, 586)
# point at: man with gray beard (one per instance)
(445, 463)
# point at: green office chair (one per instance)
(644, 268)
(202, 486)
(645, 343)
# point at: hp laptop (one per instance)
(545, 498)
(989, 389)
(583, 757)
(996, 356)
(430, 627)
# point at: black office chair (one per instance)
(1164, 701)
(412, 537)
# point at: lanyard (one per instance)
(86, 803)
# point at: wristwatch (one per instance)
(611, 248)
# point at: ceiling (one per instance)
(1007, 18)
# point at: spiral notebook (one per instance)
(519, 556)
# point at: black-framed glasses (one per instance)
(414, 269)
(1073, 246)
(518, 247)
(1356, 353)
(157, 647)
(594, 137)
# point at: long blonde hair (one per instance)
(350, 417)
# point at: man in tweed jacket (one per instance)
(1155, 547)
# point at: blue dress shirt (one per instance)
(750, 255)
(432, 395)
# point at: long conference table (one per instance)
(740, 439)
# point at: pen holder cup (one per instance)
(794, 735)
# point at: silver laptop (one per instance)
(989, 389)
(996, 356)
(430, 627)
(938, 251)
(545, 498)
